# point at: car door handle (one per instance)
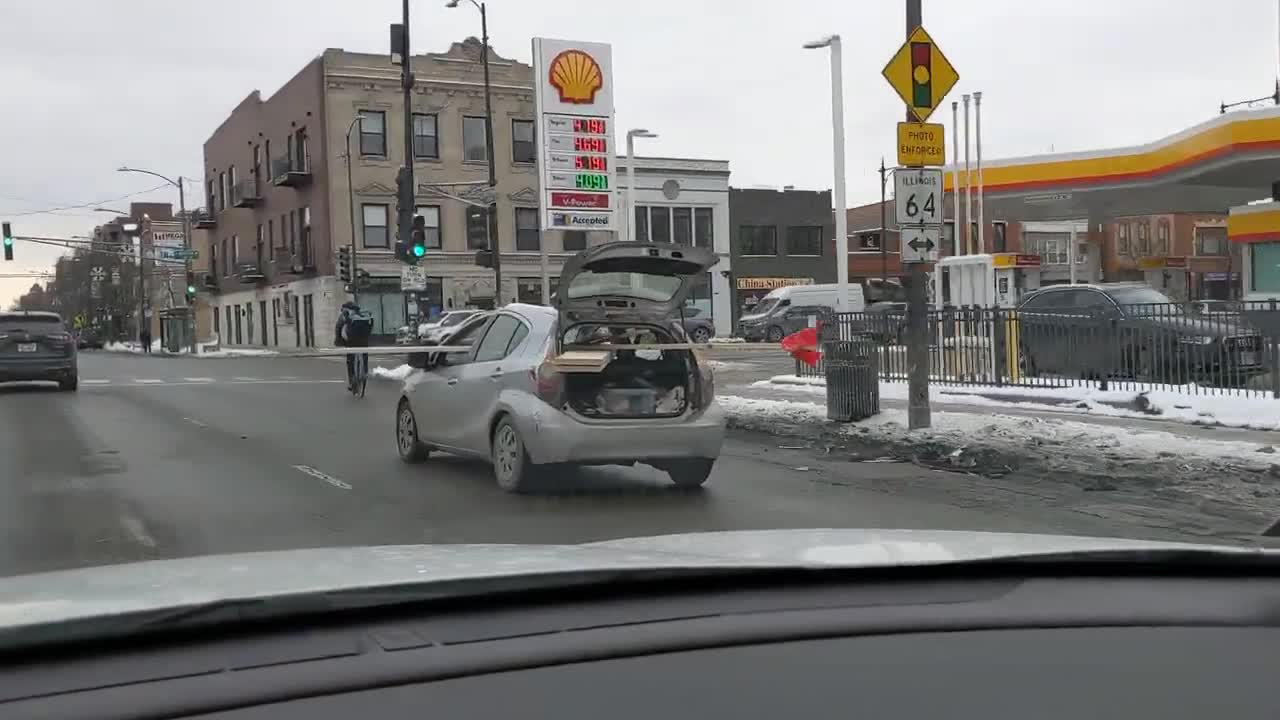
(497, 373)
(453, 381)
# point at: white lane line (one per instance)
(246, 379)
(308, 470)
(290, 377)
(136, 530)
(195, 422)
(198, 380)
(95, 382)
(148, 381)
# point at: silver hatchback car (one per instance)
(511, 399)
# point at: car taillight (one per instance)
(706, 379)
(549, 381)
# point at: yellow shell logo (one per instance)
(576, 76)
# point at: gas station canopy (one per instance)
(1230, 160)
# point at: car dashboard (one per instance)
(970, 642)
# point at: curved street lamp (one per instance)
(186, 242)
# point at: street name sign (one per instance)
(917, 194)
(920, 74)
(921, 144)
(920, 243)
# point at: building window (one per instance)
(529, 290)
(271, 233)
(660, 224)
(948, 237)
(757, 240)
(477, 228)
(373, 133)
(425, 143)
(473, 141)
(703, 228)
(257, 162)
(1162, 238)
(1144, 239)
(304, 236)
(213, 259)
(1211, 241)
(209, 193)
(1051, 247)
(257, 247)
(231, 181)
(522, 146)
(642, 224)
(682, 225)
(528, 235)
(804, 240)
(999, 237)
(1122, 239)
(431, 215)
(575, 240)
(375, 226)
(235, 252)
(293, 246)
(226, 259)
(866, 242)
(222, 191)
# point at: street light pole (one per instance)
(884, 233)
(186, 243)
(631, 178)
(837, 142)
(351, 210)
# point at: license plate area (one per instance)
(1248, 357)
(26, 347)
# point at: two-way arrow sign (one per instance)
(920, 243)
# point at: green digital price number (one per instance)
(592, 181)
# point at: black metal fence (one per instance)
(1234, 350)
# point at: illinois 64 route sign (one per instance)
(917, 194)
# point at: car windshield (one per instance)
(334, 276)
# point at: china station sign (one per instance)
(576, 151)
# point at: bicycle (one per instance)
(359, 374)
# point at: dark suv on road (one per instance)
(37, 346)
(1131, 330)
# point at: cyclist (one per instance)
(353, 329)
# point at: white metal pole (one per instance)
(837, 127)
(977, 136)
(968, 196)
(631, 187)
(955, 172)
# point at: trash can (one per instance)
(853, 379)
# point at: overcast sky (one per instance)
(89, 85)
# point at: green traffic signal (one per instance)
(419, 251)
(8, 242)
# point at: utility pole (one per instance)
(492, 210)
(884, 233)
(918, 414)
(406, 191)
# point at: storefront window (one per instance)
(1264, 267)
(700, 296)
(529, 290)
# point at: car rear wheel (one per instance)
(70, 384)
(409, 447)
(700, 335)
(512, 468)
(774, 334)
(689, 472)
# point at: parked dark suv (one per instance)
(1131, 330)
(37, 346)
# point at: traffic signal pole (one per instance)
(492, 210)
(405, 186)
(918, 413)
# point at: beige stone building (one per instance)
(278, 203)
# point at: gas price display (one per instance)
(590, 162)
(590, 126)
(592, 181)
(590, 144)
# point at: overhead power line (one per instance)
(91, 203)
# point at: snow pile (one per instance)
(131, 347)
(396, 373)
(236, 352)
(727, 340)
(1186, 404)
(1093, 457)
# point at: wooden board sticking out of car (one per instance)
(581, 361)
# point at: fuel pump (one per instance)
(972, 285)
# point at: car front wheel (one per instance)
(774, 335)
(410, 448)
(69, 384)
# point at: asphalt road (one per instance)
(160, 457)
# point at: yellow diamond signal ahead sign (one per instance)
(921, 74)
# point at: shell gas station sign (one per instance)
(576, 151)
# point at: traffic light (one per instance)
(418, 238)
(191, 285)
(344, 263)
(8, 242)
(921, 74)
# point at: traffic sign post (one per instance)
(922, 76)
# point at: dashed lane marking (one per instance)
(137, 531)
(195, 422)
(308, 470)
(247, 379)
(148, 381)
(94, 382)
(198, 380)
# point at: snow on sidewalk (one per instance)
(202, 350)
(1096, 457)
(1239, 411)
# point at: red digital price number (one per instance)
(589, 126)
(589, 144)
(590, 162)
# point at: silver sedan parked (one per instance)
(512, 399)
